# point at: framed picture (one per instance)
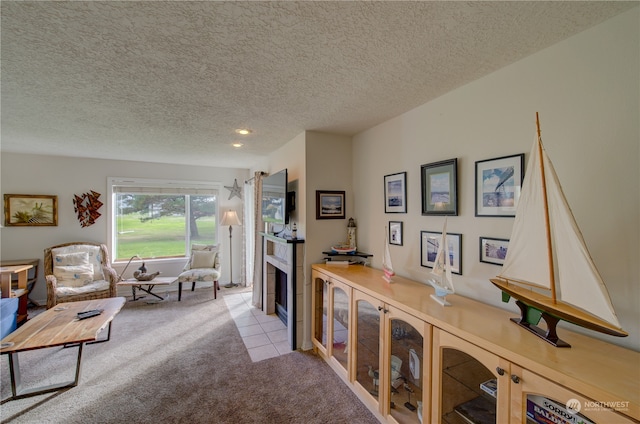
(429, 241)
(498, 184)
(330, 204)
(440, 188)
(493, 250)
(395, 232)
(29, 210)
(395, 193)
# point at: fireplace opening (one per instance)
(281, 295)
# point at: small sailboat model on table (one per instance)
(548, 269)
(442, 281)
(387, 266)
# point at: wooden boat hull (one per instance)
(560, 310)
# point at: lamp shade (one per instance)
(230, 218)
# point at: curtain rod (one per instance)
(253, 178)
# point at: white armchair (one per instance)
(203, 266)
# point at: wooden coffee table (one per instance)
(58, 326)
(137, 285)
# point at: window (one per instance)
(161, 219)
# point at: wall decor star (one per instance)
(235, 190)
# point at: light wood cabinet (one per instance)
(331, 322)
(474, 364)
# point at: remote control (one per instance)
(89, 314)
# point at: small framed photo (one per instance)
(493, 250)
(395, 232)
(498, 185)
(29, 210)
(429, 242)
(440, 188)
(330, 204)
(395, 193)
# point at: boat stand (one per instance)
(550, 336)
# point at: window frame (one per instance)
(160, 184)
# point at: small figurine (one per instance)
(140, 276)
(408, 404)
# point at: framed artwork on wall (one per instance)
(429, 241)
(440, 188)
(498, 185)
(29, 210)
(395, 232)
(493, 250)
(330, 204)
(395, 193)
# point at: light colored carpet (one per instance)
(174, 362)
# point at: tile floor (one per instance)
(264, 336)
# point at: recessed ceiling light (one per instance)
(237, 144)
(243, 131)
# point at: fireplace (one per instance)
(283, 284)
(281, 295)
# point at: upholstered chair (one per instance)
(203, 266)
(78, 271)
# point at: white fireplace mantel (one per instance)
(287, 255)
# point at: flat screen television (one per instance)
(277, 203)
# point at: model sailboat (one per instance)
(442, 281)
(548, 269)
(387, 266)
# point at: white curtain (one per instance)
(253, 245)
(249, 231)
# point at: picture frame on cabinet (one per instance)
(330, 204)
(395, 193)
(439, 182)
(395, 233)
(429, 241)
(30, 210)
(498, 185)
(493, 250)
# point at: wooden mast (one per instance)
(552, 278)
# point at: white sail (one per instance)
(442, 264)
(577, 281)
(387, 266)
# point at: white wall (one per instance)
(587, 92)
(65, 176)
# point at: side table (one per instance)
(21, 271)
(32, 275)
(137, 285)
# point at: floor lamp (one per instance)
(230, 218)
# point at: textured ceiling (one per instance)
(170, 81)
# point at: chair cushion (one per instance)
(76, 258)
(94, 286)
(203, 248)
(93, 252)
(73, 275)
(199, 274)
(203, 259)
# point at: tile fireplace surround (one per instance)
(286, 255)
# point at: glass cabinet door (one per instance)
(367, 334)
(320, 311)
(340, 328)
(470, 385)
(543, 401)
(406, 379)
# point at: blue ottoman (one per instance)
(8, 315)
